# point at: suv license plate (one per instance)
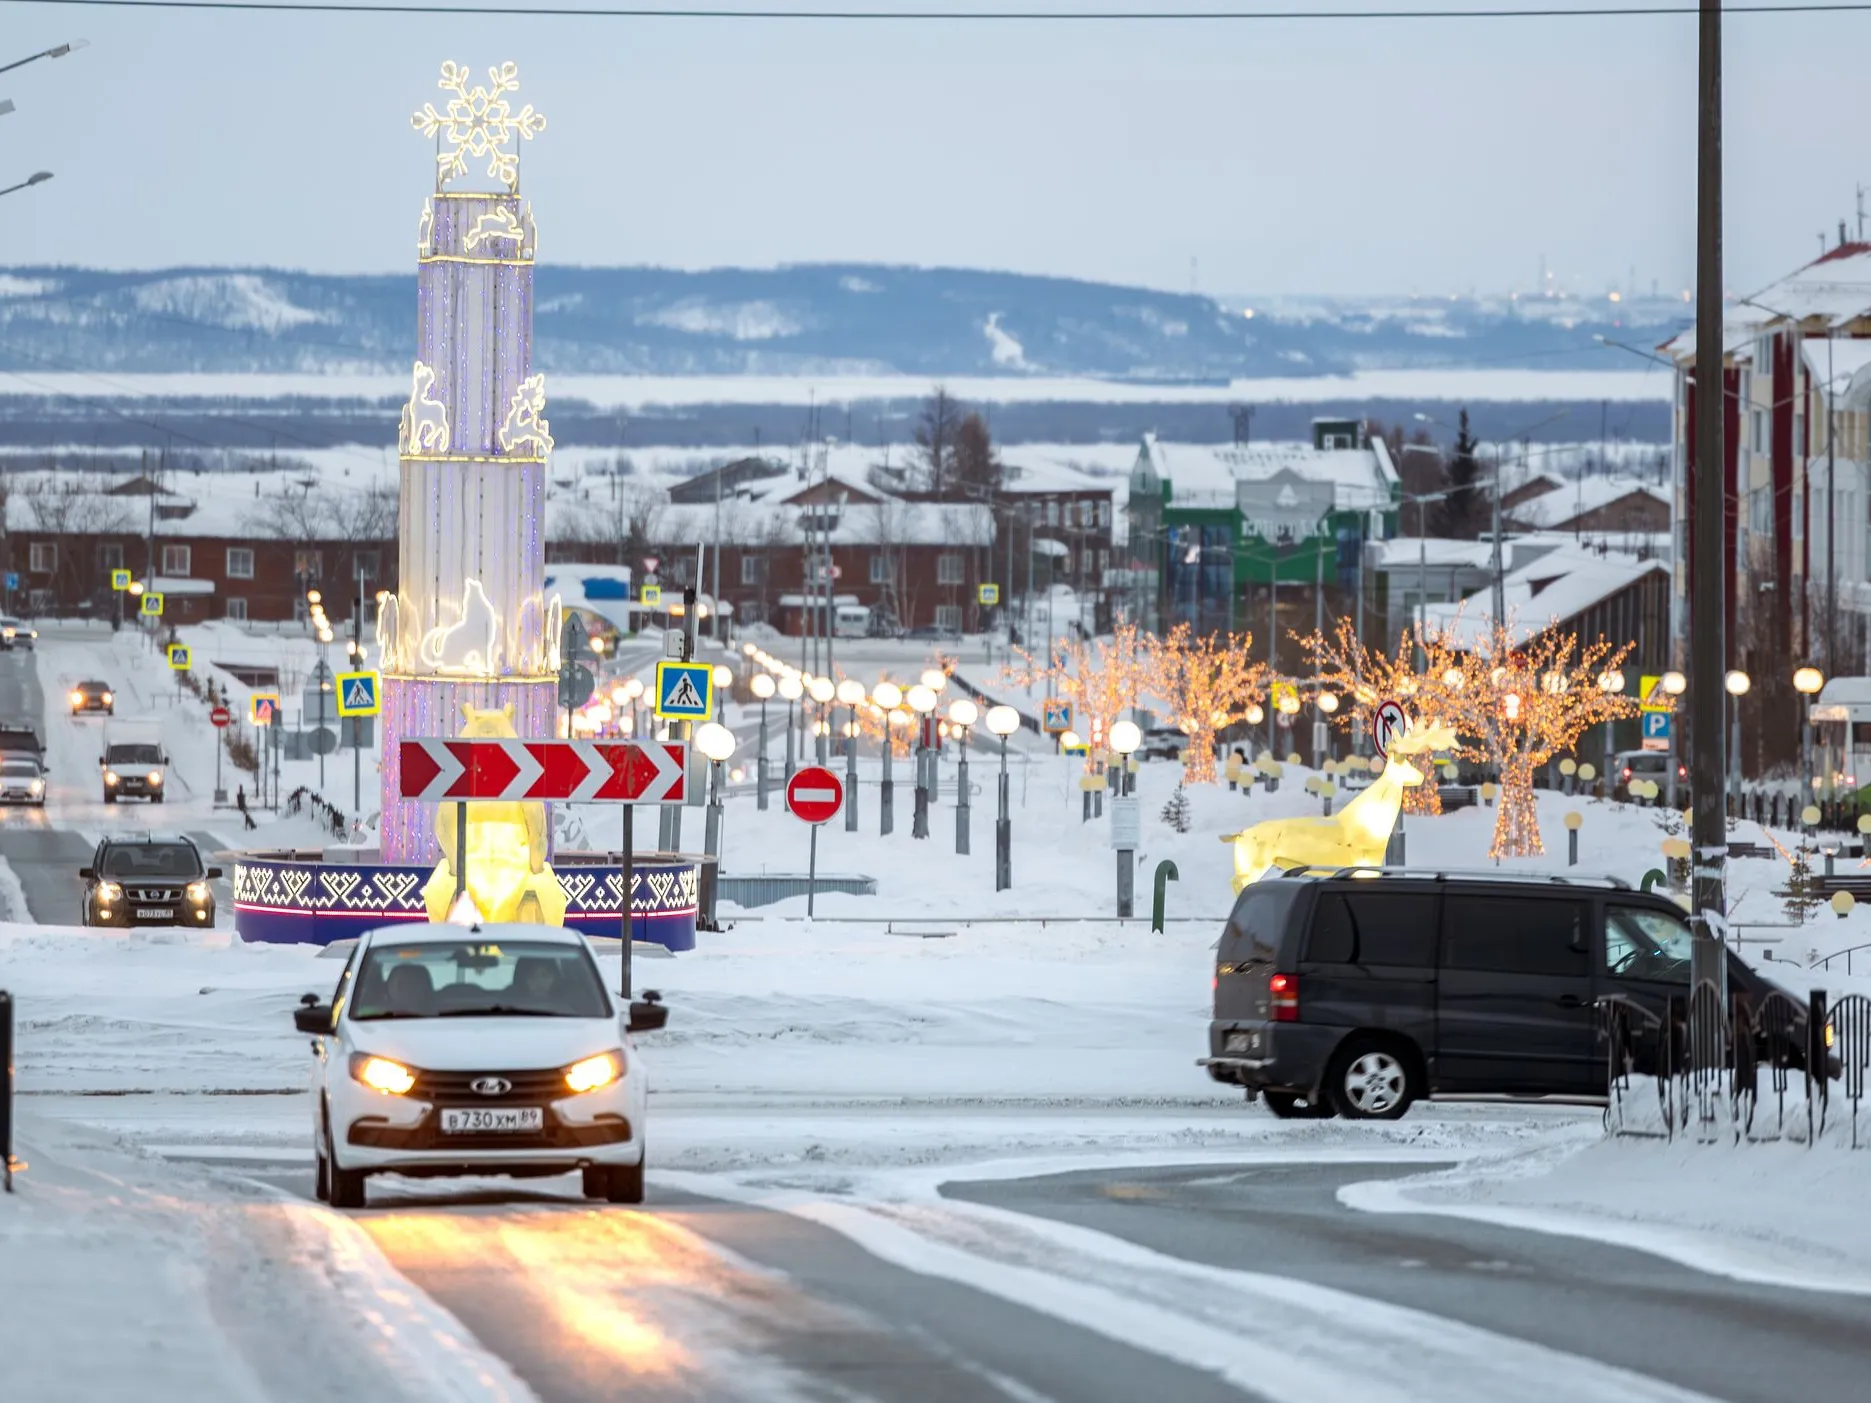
(478, 1122)
(164, 913)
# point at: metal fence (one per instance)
(1758, 1071)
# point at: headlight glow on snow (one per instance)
(381, 1074)
(595, 1072)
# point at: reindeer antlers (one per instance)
(1424, 736)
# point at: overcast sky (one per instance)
(1367, 156)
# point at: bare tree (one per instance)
(74, 511)
(937, 432)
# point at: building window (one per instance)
(43, 558)
(949, 570)
(175, 561)
(237, 610)
(1052, 511)
(1761, 511)
(1757, 430)
(365, 564)
(948, 616)
(309, 564)
(1104, 518)
(750, 571)
(110, 555)
(240, 562)
(882, 572)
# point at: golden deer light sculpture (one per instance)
(1355, 836)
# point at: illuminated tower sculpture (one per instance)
(470, 625)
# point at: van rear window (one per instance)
(1258, 922)
(1370, 926)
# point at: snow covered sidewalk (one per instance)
(123, 1276)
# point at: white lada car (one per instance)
(493, 1050)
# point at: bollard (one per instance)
(1574, 821)
(1165, 874)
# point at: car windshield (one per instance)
(136, 755)
(18, 767)
(152, 860)
(474, 979)
(94, 687)
(1646, 944)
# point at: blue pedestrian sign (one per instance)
(1058, 716)
(685, 691)
(359, 694)
(12, 579)
(1656, 730)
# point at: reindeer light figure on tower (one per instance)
(1355, 836)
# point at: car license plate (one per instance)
(160, 912)
(493, 1122)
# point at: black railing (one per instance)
(326, 812)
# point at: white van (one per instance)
(852, 621)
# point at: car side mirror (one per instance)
(649, 1014)
(213, 872)
(87, 873)
(313, 1018)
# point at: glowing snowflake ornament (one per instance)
(479, 122)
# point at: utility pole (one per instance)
(1708, 584)
(1500, 580)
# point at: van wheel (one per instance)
(1289, 1105)
(1371, 1080)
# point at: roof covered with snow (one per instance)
(1586, 494)
(1560, 583)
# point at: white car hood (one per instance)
(512, 1044)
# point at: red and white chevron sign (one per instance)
(621, 771)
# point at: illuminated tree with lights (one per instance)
(1205, 684)
(1368, 676)
(1102, 679)
(1517, 704)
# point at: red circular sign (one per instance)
(221, 716)
(814, 794)
(1388, 723)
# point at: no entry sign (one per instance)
(1388, 723)
(814, 794)
(220, 718)
(629, 772)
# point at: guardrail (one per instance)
(7, 1162)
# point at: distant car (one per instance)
(147, 881)
(932, 633)
(1643, 764)
(22, 780)
(15, 634)
(496, 1050)
(1162, 743)
(93, 696)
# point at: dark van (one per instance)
(1354, 993)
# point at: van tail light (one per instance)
(1627, 772)
(1283, 998)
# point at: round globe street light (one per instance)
(1807, 681)
(716, 743)
(1003, 721)
(792, 689)
(762, 686)
(888, 697)
(1124, 738)
(1737, 684)
(822, 690)
(1675, 683)
(962, 715)
(935, 679)
(851, 693)
(922, 701)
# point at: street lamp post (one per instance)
(851, 693)
(1674, 684)
(935, 679)
(1124, 739)
(1807, 681)
(922, 701)
(962, 715)
(792, 689)
(1327, 703)
(56, 51)
(888, 697)
(36, 178)
(1003, 721)
(823, 689)
(1611, 681)
(716, 742)
(761, 684)
(1737, 684)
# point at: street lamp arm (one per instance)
(56, 51)
(36, 178)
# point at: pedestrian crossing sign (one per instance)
(120, 579)
(652, 596)
(178, 656)
(1058, 715)
(360, 694)
(685, 691)
(989, 595)
(152, 605)
(263, 708)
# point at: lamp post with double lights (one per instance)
(851, 693)
(716, 743)
(1124, 738)
(823, 690)
(962, 714)
(1807, 681)
(889, 697)
(1003, 721)
(936, 680)
(761, 685)
(922, 701)
(792, 689)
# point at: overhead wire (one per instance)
(385, 7)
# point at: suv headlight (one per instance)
(198, 891)
(77, 698)
(37, 787)
(381, 1074)
(595, 1072)
(108, 892)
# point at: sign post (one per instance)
(1388, 723)
(220, 718)
(813, 795)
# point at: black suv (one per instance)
(1356, 992)
(141, 881)
(93, 696)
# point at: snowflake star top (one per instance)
(478, 122)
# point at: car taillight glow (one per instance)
(1283, 998)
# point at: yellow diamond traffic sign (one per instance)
(152, 605)
(120, 579)
(652, 596)
(360, 693)
(178, 656)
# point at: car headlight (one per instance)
(37, 787)
(197, 891)
(595, 1072)
(77, 698)
(110, 776)
(155, 776)
(109, 697)
(381, 1074)
(108, 892)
